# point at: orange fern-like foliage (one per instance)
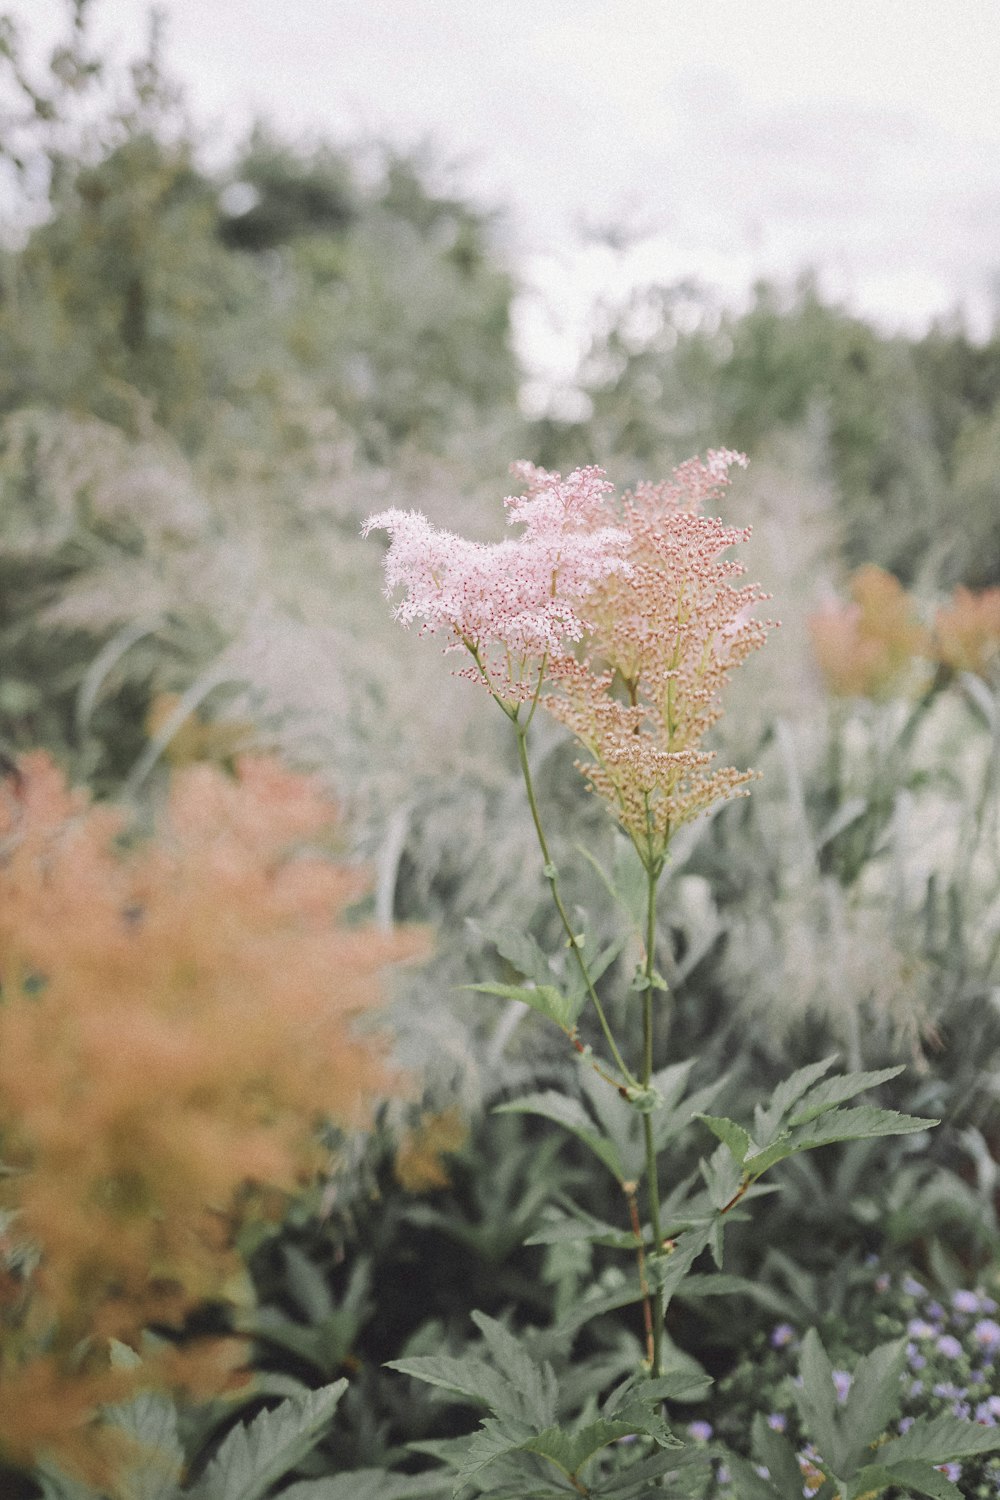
(176, 1018)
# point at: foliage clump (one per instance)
(176, 1021)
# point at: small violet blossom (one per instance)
(781, 1335)
(949, 1346)
(701, 1432)
(987, 1333)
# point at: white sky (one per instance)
(741, 137)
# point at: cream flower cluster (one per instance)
(516, 603)
(623, 615)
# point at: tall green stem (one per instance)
(553, 879)
(652, 1175)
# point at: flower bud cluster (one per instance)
(623, 614)
(663, 639)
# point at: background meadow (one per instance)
(212, 729)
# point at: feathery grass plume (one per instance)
(967, 632)
(663, 637)
(175, 1020)
(865, 649)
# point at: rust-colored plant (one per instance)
(176, 1018)
(866, 648)
(967, 632)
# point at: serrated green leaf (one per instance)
(863, 1123)
(873, 1400)
(519, 949)
(466, 1376)
(252, 1458)
(154, 1471)
(571, 1115)
(492, 1441)
(768, 1119)
(940, 1440)
(834, 1091)
(573, 1230)
(675, 1385)
(777, 1455)
(569, 1451)
(535, 1383)
(549, 1001)
(730, 1134)
(817, 1397)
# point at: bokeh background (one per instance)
(266, 269)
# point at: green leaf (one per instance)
(638, 1475)
(723, 1176)
(535, 1383)
(149, 1419)
(493, 1440)
(731, 1135)
(519, 949)
(768, 1120)
(154, 1472)
(596, 1306)
(571, 1115)
(941, 1440)
(581, 1228)
(837, 1125)
(570, 1451)
(254, 1457)
(666, 1271)
(595, 968)
(776, 1453)
(468, 1376)
(817, 1397)
(683, 1384)
(918, 1478)
(833, 1091)
(706, 1284)
(547, 999)
(873, 1400)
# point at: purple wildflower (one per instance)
(987, 1333)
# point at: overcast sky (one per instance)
(736, 138)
